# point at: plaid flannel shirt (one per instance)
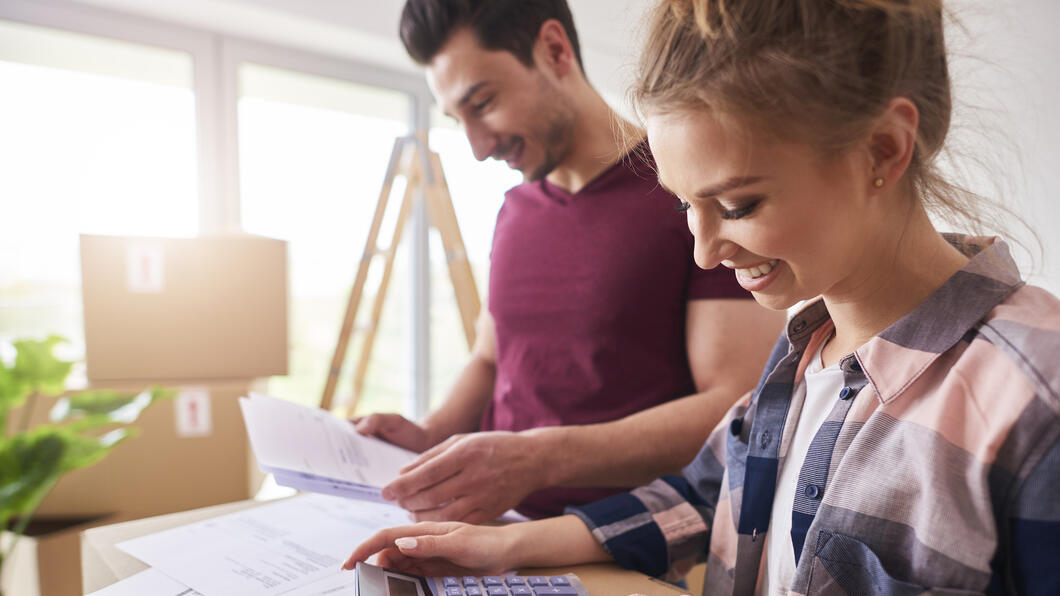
(937, 469)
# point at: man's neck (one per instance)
(600, 138)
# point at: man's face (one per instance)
(509, 112)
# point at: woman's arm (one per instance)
(453, 548)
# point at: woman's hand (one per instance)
(439, 548)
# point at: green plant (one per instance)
(83, 428)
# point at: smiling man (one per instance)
(605, 356)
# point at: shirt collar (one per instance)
(896, 357)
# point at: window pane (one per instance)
(313, 153)
(478, 192)
(98, 137)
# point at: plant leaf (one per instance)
(30, 464)
(13, 391)
(85, 450)
(37, 366)
(101, 407)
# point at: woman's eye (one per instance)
(682, 206)
(740, 211)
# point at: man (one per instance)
(605, 356)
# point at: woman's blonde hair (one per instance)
(812, 71)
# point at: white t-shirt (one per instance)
(821, 387)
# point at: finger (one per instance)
(427, 546)
(453, 511)
(385, 538)
(367, 425)
(429, 454)
(410, 483)
(433, 497)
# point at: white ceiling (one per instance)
(367, 29)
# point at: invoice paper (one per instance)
(310, 449)
(271, 549)
(151, 581)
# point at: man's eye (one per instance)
(482, 104)
(741, 211)
(682, 206)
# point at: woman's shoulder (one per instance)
(1025, 331)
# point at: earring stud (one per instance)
(878, 182)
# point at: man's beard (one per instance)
(555, 137)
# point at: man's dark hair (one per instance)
(510, 25)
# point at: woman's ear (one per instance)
(892, 142)
(553, 50)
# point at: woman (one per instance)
(905, 433)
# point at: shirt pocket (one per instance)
(845, 565)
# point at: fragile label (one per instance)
(145, 268)
(193, 412)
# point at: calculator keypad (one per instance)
(534, 585)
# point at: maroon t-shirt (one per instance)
(588, 293)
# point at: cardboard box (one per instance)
(192, 451)
(213, 307)
(46, 561)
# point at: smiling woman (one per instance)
(905, 434)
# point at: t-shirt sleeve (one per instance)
(719, 282)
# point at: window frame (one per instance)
(216, 58)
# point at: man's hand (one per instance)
(395, 429)
(435, 549)
(471, 478)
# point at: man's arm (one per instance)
(476, 477)
(728, 344)
(462, 409)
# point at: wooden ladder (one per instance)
(422, 169)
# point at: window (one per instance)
(98, 137)
(313, 152)
(478, 190)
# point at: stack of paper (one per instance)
(293, 547)
(309, 449)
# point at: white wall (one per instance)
(1007, 87)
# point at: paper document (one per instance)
(298, 543)
(310, 449)
(151, 581)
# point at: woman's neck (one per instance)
(899, 271)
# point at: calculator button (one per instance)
(474, 591)
(450, 581)
(470, 581)
(520, 589)
(492, 580)
(496, 591)
(537, 580)
(515, 580)
(559, 580)
(555, 590)
(454, 591)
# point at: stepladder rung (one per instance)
(424, 177)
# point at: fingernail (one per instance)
(406, 543)
(388, 494)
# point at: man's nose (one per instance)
(483, 142)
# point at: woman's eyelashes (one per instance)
(742, 211)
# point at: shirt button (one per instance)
(736, 426)
(812, 491)
(763, 440)
(846, 393)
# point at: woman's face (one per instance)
(792, 225)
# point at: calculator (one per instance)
(377, 581)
